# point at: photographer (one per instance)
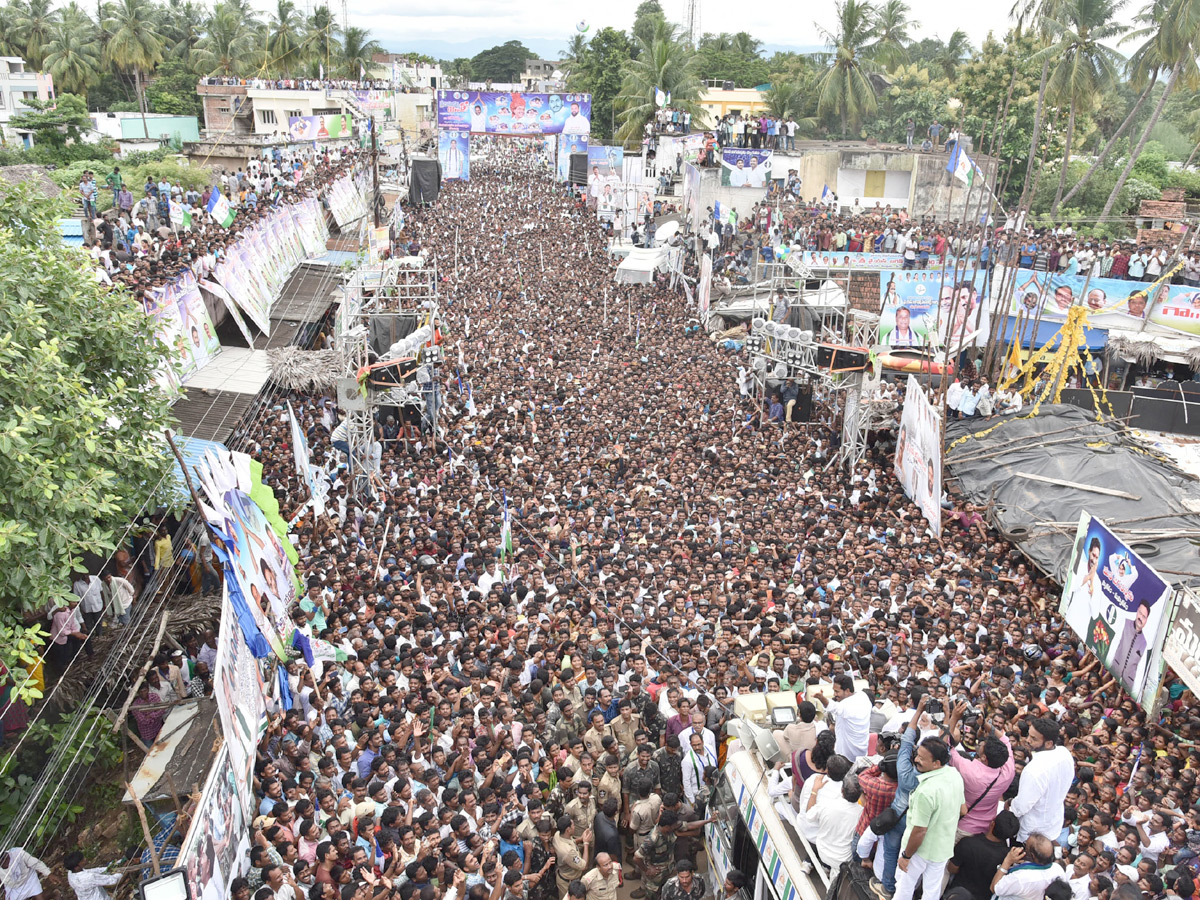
(985, 778)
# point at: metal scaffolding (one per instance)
(389, 311)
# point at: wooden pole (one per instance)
(141, 811)
(162, 627)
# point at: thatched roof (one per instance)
(15, 174)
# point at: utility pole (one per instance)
(375, 170)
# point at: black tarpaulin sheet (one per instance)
(425, 181)
(1066, 443)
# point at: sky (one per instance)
(545, 26)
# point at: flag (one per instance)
(317, 652)
(180, 215)
(362, 72)
(506, 541)
(717, 210)
(285, 690)
(321, 70)
(660, 99)
(961, 166)
(219, 208)
(824, 193)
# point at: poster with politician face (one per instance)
(514, 113)
(1118, 605)
(746, 168)
(919, 454)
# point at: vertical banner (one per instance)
(236, 314)
(1119, 606)
(241, 700)
(568, 144)
(919, 454)
(1181, 651)
(454, 153)
(197, 327)
(691, 197)
(217, 845)
(704, 288)
(604, 176)
(304, 465)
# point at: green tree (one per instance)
(226, 47)
(663, 62)
(9, 38)
(1081, 66)
(845, 90)
(890, 47)
(731, 65)
(358, 50)
(459, 70)
(135, 45)
(54, 123)
(183, 27)
(598, 72)
(322, 46)
(173, 90)
(573, 57)
(284, 37)
(73, 51)
(645, 20)
(913, 93)
(954, 51)
(80, 413)
(33, 28)
(504, 62)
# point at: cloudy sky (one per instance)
(546, 25)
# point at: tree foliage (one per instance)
(504, 62)
(80, 412)
(598, 72)
(54, 122)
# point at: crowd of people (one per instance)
(547, 721)
(141, 245)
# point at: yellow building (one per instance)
(718, 102)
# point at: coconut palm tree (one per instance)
(1170, 45)
(321, 47)
(135, 45)
(284, 37)
(357, 52)
(34, 24)
(890, 47)
(183, 27)
(1082, 67)
(744, 45)
(574, 55)
(9, 45)
(664, 62)
(228, 44)
(953, 53)
(73, 54)
(845, 90)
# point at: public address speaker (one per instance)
(578, 170)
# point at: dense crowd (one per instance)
(140, 244)
(545, 722)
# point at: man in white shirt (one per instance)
(90, 591)
(694, 763)
(88, 884)
(19, 873)
(1026, 873)
(1045, 781)
(837, 822)
(851, 713)
(819, 791)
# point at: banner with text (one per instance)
(1181, 651)
(745, 168)
(218, 843)
(1119, 606)
(454, 153)
(317, 128)
(920, 311)
(516, 113)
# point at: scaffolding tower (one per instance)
(389, 311)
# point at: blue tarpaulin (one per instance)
(192, 449)
(71, 231)
(1095, 338)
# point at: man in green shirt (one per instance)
(114, 181)
(933, 811)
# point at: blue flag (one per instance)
(285, 690)
(824, 193)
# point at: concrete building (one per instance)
(404, 72)
(543, 76)
(904, 179)
(238, 110)
(127, 126)
(18, 84)
(721, 98)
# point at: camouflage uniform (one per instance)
(657, 850)
(670, 771)
(673, 891)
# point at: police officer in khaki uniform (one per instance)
(602, 882)
(582, 809)
(610, 782)
(570, 855)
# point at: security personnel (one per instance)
(655, 856)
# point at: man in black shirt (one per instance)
(605, 832)
(977, 857)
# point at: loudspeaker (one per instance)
(802, 411)
(578, 170)
(841, 359)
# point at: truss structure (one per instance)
(394, 304)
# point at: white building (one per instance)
(17, 84)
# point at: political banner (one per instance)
(691, 196)
(919, 454)
(160, 303)
(241, 698)
(197, 329)
(515, 113)
(568, 144)
(745, 168)
(1119, 606)
(704, 288)
(231, 306)
(841, 259)
(605, 164)
(317, 128)
(218, 843)
(373, 100)
(1181, 651)
(1111, 302)
(454, 153)
(926, 308)
(258, 570)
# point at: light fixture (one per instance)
(781, 370)
(783, 715)
(172, 885)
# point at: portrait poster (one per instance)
(919, 454)
(514, 113)
(1119, 605)
(319, 128)
(241, 699)
(746, 168)
(568, 144)
(215, 848)
(454, 153)
(929, 308)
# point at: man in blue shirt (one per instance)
(906, 783)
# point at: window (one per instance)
(295, 114)
(3, 101)
(266, 116)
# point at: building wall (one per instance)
(718, 102)
(16, 85)
(226, 108)
(273, 108)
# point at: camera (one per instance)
(934, 707)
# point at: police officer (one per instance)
(655, 856)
